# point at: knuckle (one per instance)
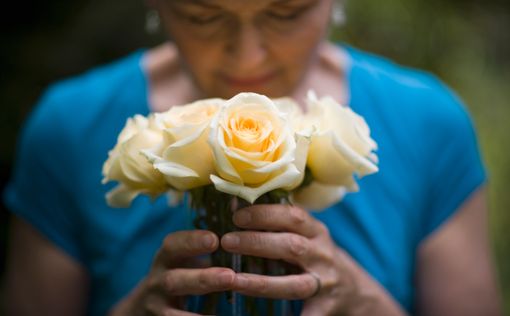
(298, 246)
(152, 282)
(150, 306)
(261, 285)
(189, 244)
(296, 215)
(168, 281)
(158, 259)
(262, 215)
(323, 254)
(310, 286)
(303, 288)
(165, 312)
(204, 281)
(322, 229)
(181, 242)
(253, 240)
(168, 312)
(167, 243)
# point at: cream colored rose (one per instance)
(184, 157)
(129, 167)
(255, 149)
(317, 197)
(340, 145)
(292, 110)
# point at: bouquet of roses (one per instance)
(249, 149)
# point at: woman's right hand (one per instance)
(172, 277)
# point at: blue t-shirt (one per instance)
(429, 165)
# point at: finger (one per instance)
(170, 311)
(290, 247)
(289, 287)
(161, 307)
(195, 281)
(278, 217)
(177, 312)
(312, 307)
(186, 244)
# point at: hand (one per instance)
(170, 278)
(328, 282)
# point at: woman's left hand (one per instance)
(329, 282)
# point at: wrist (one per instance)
(365, 295)
(127, 306)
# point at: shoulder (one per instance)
(69, 106)
(408, 88)
(95, 87)
(423, 125)
(66, 138)
(78, 118)
(410, 99)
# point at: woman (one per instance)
(413, 240)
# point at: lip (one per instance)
(252, 81)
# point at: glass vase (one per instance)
(213, 211)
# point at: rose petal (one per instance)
(183, 158)
(173, 169)
(301, 155)
(363, 166)
(333, 162)
(250, 194)
(216, 142)
(121, 196)
(317, 196)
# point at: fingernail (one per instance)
(208, 241)
(230, 241)
(225, 277)
(242, 217)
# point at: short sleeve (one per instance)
(40, 189)
(454, 162)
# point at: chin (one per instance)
(270, 91)
(271, 88)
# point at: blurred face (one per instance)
(229, 46)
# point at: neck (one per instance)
(326, 76)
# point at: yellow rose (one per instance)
(317, 196)
(255, 148)
(184, 157)
(129, 167)
(340, 144)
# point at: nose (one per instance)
(247, 47)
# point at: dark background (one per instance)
(464, 42)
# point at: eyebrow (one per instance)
(206, 4)
(202, 3)
(284, 1)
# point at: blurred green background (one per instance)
(464, 42)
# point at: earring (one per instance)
(152, 22)
(338, 17)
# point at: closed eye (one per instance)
(203, 20)
(285, 16)
(288, 13)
